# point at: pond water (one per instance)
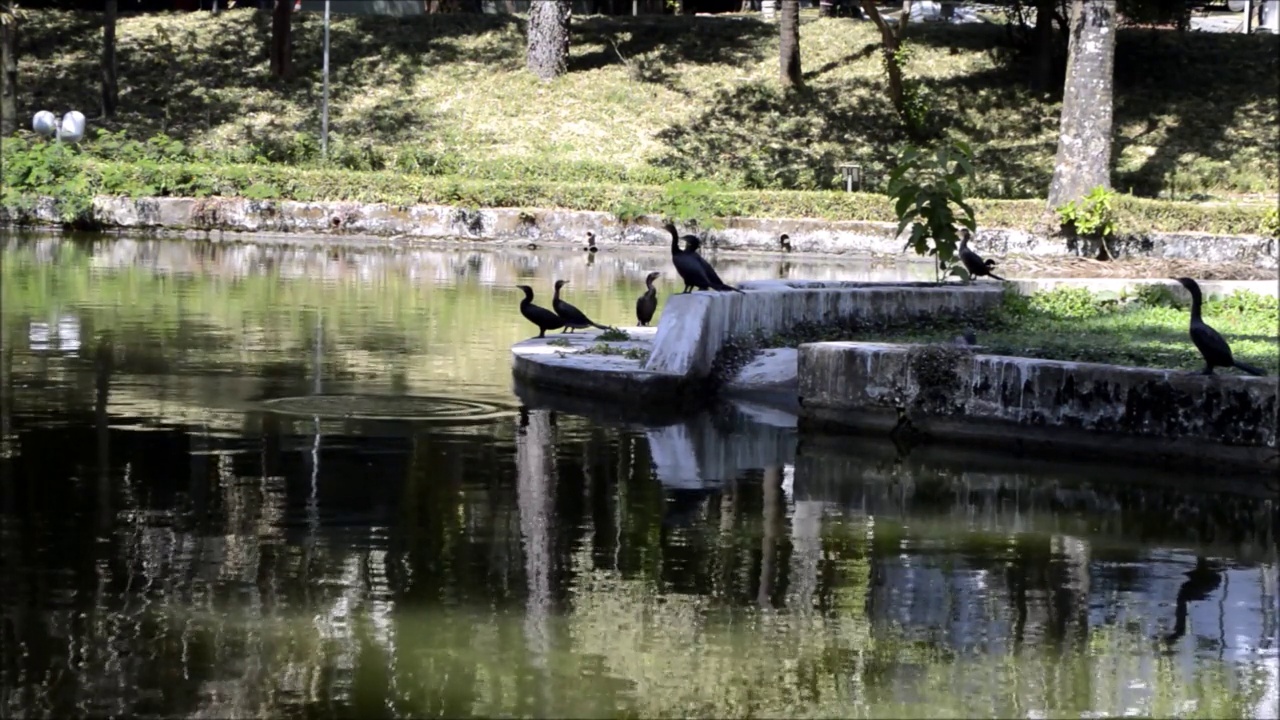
(174, 544)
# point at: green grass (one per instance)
(1148, 330)
(652, 99)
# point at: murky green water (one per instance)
(172, 547)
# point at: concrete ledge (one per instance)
(694, 327)
(954, 394)
(561, 362)
(377, 221)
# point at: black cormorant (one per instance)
(540, 316)
(972, 261)
(1214, 349)
(591, 243)
(687, 265)
(573, 318)
(691, 246)
(785, 242)
(1201, 581)
(647, 304)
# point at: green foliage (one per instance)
(613, 334)
(1270, 225)
(694, 203)
(1090, 216)
(916, 96)
(54, 168)
(634, 353)
(924, 189)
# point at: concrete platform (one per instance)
(958, 395)
(671, 362)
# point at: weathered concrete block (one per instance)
(951, 392)
(695, 327)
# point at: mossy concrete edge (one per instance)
(955, 394)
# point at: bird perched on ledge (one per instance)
(539, 316)
(691, 245)
(1213, 348)
(647, 304)
(574, 319)
(973, 262)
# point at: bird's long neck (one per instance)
(675, 240)
(648, 284)
(528, 299)
(1196, 302)
(556, 297)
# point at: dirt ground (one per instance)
(1144, 268)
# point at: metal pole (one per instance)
(324, 112)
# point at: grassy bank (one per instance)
(647, 101)
(1148, 330)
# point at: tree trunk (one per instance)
(548, 53)
(110, 87)
(1084, 137)
(281, 38)
(1042, 70)
(889, 46)
(789, 45)
(8, 72)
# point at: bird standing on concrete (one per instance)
(691, 245)
(647, 304)
(540, 316)
(785, 242)
(1213, 348)
(687, 265)
(972, 261)
(574, 319)
(591, 243)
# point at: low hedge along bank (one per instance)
(269, 182)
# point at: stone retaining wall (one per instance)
(958, 394)
(379, 222)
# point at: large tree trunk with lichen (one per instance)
(8, 70)
(110, 86)
(281, 38)
(1084, 137)
(789, 45)
(548, 53)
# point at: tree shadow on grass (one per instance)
(1218, 89)
(185, 73)
(669, 41)
(760, 136)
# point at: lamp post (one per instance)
(69, 127)
(852, 173)
(324, 110)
